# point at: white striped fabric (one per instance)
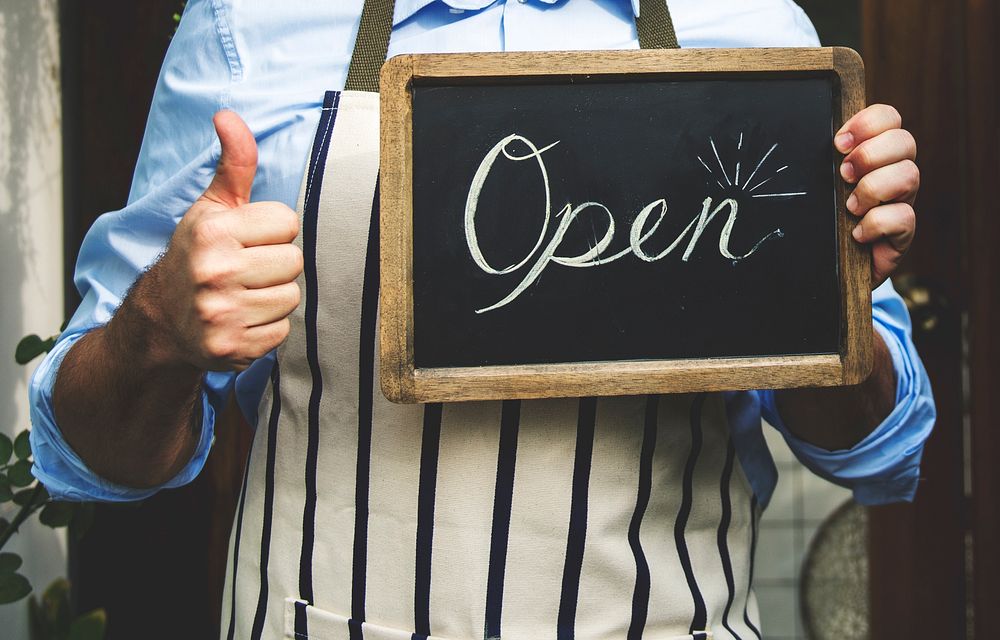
(563, 518)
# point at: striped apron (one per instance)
(626, 517)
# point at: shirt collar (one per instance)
(406, 8)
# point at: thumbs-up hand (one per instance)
(221, 294)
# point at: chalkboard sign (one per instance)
(602, 223)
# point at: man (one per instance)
(592, 518)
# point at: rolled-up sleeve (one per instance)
(60, 469)
(885, 466)
(176, 163)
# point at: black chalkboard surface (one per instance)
(563, 223)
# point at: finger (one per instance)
(237, 164)
(269, 265)
(229, 348)
(866, 124)
(893, 223)
(898, 182)
(884, 149)
(262, 339)
(885, 261)
(256, 343)
(263, 223)
(266, 306)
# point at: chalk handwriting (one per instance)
(639, 235)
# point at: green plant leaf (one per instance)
(19, 473)
(3, 525)
(30, 347)
(9, 563)
(13, 587)
(37, 628)
(22, 446)
(56, 608)
(6, 448)
(23, 496)
(6, 495)
(57, 514)
(89, 626)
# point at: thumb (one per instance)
(237, 164)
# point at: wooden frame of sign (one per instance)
(401, 381)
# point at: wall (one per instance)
(800, 504)
(30, 243)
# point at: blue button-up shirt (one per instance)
(271, 63)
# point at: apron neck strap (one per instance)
(370, 46)
(653, 24)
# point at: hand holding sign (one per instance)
(616, 223)
(226, 285)
(880, 160)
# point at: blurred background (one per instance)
(76, 79)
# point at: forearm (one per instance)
(836, 418)
(130, 413)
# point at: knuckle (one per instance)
(863, 190)
(872, 225)
(294, 296)
(909, 216)
(862, 157)
(297, 259)
(281, 331)
(209, 230)
(290, 218)
(911, 174)
(206, 271)
(218, 347)
(881, 227)
(284, 219)
(891, 114)
(864, 224)
(210, 309)
(273, 337)
(202, 272)
(909, 142)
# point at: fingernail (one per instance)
(844, 141)
(856, 232)
(847, 170)
(852, 203)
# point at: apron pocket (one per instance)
(323, 625)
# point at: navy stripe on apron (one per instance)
(265, 535)
(426, 492)
(301, 624)
(700, 619)
(309, 222)
(510, 417)
(366, 378)
(577, 537)
(236, 547)
(753, 555)
(727, 515)
(640, 595)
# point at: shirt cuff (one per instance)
(60, 469)
(885, 466)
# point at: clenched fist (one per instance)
(879, 161)
(221, 294)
